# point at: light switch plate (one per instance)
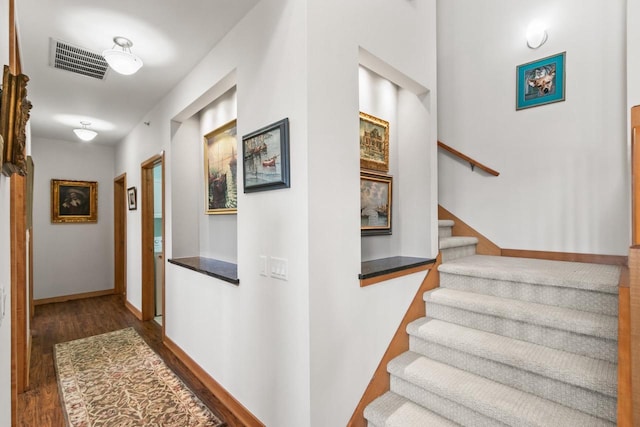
(279, 268)
(262, 264)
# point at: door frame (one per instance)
(147, 244)
(120, 236)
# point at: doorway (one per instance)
(152, 203)
(120, 236)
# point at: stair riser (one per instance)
(454, 411)
(562, 340)
(595, 302)
(579, 398)
(450, 254)
(444, 231)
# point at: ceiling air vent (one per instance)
(77, 60)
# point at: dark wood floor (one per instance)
(60, 322)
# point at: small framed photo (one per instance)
(266, 158)
(74, 201)
(132, 198)
(375, 203)
(374, 143)
(540, 82)
(220, 165)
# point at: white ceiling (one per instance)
(170, 36)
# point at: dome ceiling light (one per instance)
(120, 58)
(85, 134)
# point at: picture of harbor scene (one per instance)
(374, 203)
(262, 159)
(221, 171)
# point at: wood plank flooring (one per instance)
(59, 322)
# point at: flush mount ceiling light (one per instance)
(85, 134)
(120, 58)
(536, 35)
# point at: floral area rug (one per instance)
(116, 379)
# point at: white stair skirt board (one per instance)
(508, 341)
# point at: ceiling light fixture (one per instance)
(120, 58)
(85, 134)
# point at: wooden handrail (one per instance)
(471, 161)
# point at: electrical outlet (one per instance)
(262, 265)
(279, 268)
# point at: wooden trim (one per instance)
(64, 298)
(461, 228)
(635, 174)
(240, 411)
(625, 407)
(133, 310)
(19, 318)
(466, 158)
(567, 256)
(379, 383)
(634, 310)
(394, 275)
(147, 208)
(120, 235)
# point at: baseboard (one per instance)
(238, 410)
(567, 256)
(65, 298)
(380, 382)
(133, 310)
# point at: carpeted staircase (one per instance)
(507, 341)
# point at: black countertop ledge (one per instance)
(380, 267)
(211, 267)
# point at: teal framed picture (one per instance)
(540, 82)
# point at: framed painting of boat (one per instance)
(375, 203)
(265, 154)
(220, 165)
(374, 143)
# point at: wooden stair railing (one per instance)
(473, 163)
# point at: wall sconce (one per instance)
(536, 35)
(120, 59)
(85, 134)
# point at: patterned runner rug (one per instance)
(116, 379)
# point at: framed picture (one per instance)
(14, 114)
(132, 198)
(374, 143)
(375, 203)
(540, 82)
(220, 165)
(266, 158)
(74, 201)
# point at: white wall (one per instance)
(297, 352)
(351, 326)
(72, 258)
(633, 58)
(5, 255)
(563, 183)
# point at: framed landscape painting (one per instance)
(540, 82)
(74, 201)
(266, 158)
(220, 165)
(374, 143)
(375, 203)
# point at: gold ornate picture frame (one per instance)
(74, 201)
(220, 170)
(14, 114)
(374, 143)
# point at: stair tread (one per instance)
(392, 410)
(456, 241)
(445, 223)
(504, 403)
(586, 276)
(593, 374)
(577, 321)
